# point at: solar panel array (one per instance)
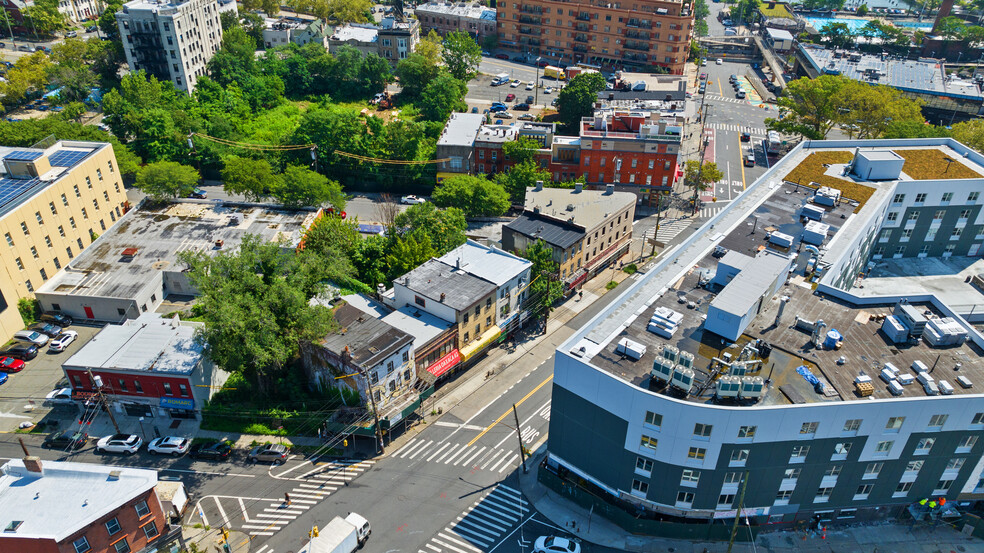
(12, 188)
(67, 158)
(23, 155)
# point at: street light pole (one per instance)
(536, 83)
(97, 384)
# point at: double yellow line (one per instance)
(504, 415)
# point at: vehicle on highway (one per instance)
(410, 199)
(62, 396)
(31, 337)
(515, 84)
(119, 443)
(216, 449)
(719, 61)
(510, 97)
(554, 544)
(750, 160)
(11, 365)
(169, 445)
(498, 106)
(268, 453)
(63, 340)
(527, 117)
(746, 136)
(530, 85)
(47, 329)
(502, 56)
(56, 319)
(65, 439)
(341, 535)
(198, 193)
(521, 107)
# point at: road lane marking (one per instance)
(420, 444)
(465, 463)
(499, 517)
(456, 425)
(243, 507)
(517, 404)
(459, 542)
(461, 451)
(439, 459)
(225, 517)
(486, 519)
(213, 473)
(537, 412)
(496, 465)
(438, 451)
(421, 450)
(438, 549)
(471, 534)
(405, 447)
(743, 185)
(449, 546)
(492, 458)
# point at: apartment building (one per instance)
(54, 202)
(171, 40)
(447, 17)
(662, 409)
(292, 30)
(79, 10)
(398, 39)
(641, 36)
(587, 229)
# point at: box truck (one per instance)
(341, 535)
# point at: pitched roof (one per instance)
(368, 340)
(561, 235)
(487, 262)
(440, 282)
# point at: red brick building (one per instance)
(64, 507)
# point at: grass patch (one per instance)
(812, 170)
(611, 285)
(631, 269)
(777, 10)
(934, 165)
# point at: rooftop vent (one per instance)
(129, 252)
(13, 526)
(114, 474)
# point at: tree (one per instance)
(166, 179)
(520, 177)
(430, 47)
(408, 252)
(461, 55)
(970, 133)
(29, 74)
(415, 73)
(521, 150)
(700, 176)
(577, 99)
(369, 259)
(809, 107)
(300, 186)
(252, 178)
(701, 11)
(914, 129)
(43, 17)
(107, 20)
(330, 235)
(71, 69)
(837, 35)
(862, 10)
(254, 305)
(868, 110)
(374, 74)
(335, 11)
(444, 227)
(74, 111)
(544, 290)
(445, 94)
(475, 196)
(269, 7)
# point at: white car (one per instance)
(169, 445)
(71, 34)
(412, 200)
(59, 397)
(120, 443)
(61, 342)
(719, 61)
(503, 115)
(548, 90)
(515, 84)
(553, 544)
(530, 85)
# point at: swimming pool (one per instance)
(855, 25)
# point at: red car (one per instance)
(543, 63)
(502, 56)
(510, 97)
(11, 365)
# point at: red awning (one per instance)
(445, 363)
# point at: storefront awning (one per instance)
(445, 363)
(177, 403)
(479, 345)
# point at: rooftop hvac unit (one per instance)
(683, 378)
(632, 350)
(887, 375)
(671, 353)
(738, 368)
(895, 388)
(661, 328)
(728, 386)
(919, 367)
(931, 388)
(895, 330)
(668, 315)
(924, 377)
(662, 369)
(906, 379)
(895, 370)
(862, 378)
(686, 359)
(752, 386)
(964, 382)
(945, 388)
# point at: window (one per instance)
(64, 200)
(746, 431)
(924, 445)
(791, 474)
(884, 447)
(10, 241)
(964, 213)
(71, 221)
(654, 419)
(914, 466)
(30, 287)
(956, 463)
(920, 198)
(938, 214)
(852, 425)
(972, 197)
(644, 464)
(81, 545)
(640, 486)
(61, 231)
(685, 498)
(648, 441)
(77, 193)
(841, 450)
(912, 217)
(20, 264)
(141, 509)
(863, 491)
(899, 198)
(702, 430)
(47, 241)
(696, 453)
(34, 252)
(892, 216)
(823, 495)
(85, 215)
(942, 487)
(902, 489)
(24, 228)
(113, 526)
(739, 456)
(799, 453)
(782, 498)
(689, 477)
(40, 219)
(947, 196)
(183, 389)
(732, 477)
(956, 232)
(79, 241)
(833, 470)
(726, 500)
(809, 427)
(966, 444)
(937, 421)
(978, 419)
(99, 173)
(137, 386)
(167, 388)
(121, 546)
(894, 424)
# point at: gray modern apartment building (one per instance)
(820, 408)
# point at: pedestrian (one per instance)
(287, 499)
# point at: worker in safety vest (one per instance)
(923, 502)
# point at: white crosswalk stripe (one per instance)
(447, 453)
(757, 131)
(483, 524)
(712, 210)
(668, 230)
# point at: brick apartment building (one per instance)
(637, 36)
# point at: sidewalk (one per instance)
(876, 537)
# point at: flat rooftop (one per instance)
(460, 130)
(148, 343)
(153, 238)
(443, 283)
(918, 76)
(423, 326)
(773, 205)
(475, 11)
(586, 208)
(63, 156)
(75, 495)
(358, 33)
(487, 262)
(368, 339)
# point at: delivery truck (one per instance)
(341, 535)
(551, 72)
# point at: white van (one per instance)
(501, 79)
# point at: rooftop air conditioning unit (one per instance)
(683, 379)
(752, 387)
(728, 386)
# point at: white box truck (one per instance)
(341, 535)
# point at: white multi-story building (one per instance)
(79, 10)
(172, 40)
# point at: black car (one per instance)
(20, 350)
(211, 450)
(529, 100)
(47, 329)
(66, 439)
(521, 107)
(56, 319)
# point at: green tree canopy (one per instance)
(577, 99)
(300, 186)
(444, 227)
(701, 176)
(369, 259)
(415, 73)
(869, 110)
(809, 107)
(43, 17)
(444, 95)
(544, 290)
(407, 252)
(166, 179)
(461, 55)
(475, 196)
(522, 176)
(330, 235)
(252, 178)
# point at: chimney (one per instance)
(609, 189)
(457, 263)
(31, 462)
(539, 186)
(578, 186)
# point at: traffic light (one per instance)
(225, 534)
(313, 533)
(344, 443)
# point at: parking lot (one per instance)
(22, 397)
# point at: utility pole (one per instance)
(519, 435)
(659, 198)
(97, 384)
(536, 83)
(741, 503)
(375, 414)
(703, 148)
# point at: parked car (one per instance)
(90, 29)
(63, 340)
(750, 160)
(47, 329)
(732, 78)
(529, 99)
(198, 193)
(740, 94)
(62, 396)
(11, 365)
(530, 85)
(553, 102)
(503, 115)
(521, 107)
(746, 136)
(31, 337)
(119, 443)
(543, 63)
(24, 48)
(218, 450)
(3, 378)
(169, 445)
(412, 200)
(548, 90)
(526, 117)
(502, 56)
(57, 319)
(474, 109)
(498, 106)
(486, 53)
(519, 59)
(66, 439)
(553, 544)
(515, 83)
(269, 453)
(510, 97)
(71, 34)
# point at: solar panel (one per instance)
(12, 188)
(23, 155)
(67, 158)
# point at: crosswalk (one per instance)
(493, 459)
(758, 131)
(265, 516)
(717, 98)
(711, 210)
(668, 230)
(482, 524)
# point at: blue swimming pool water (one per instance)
(855, 25)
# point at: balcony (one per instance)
(640, 23)
(631, 45)
(581, 38)
(582, 27)
(637, 34)
(580, 48)
(529, 20)
(531, 9)
(628, 56)
(529, 41)
(583, 16)
(529, 31)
